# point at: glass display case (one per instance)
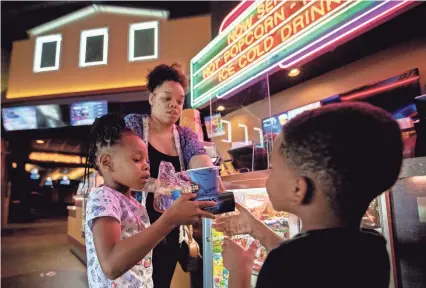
(257, 202)
(255, 199)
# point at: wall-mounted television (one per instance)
(272, 125)
(19, 118)
(34, 117)
(85, 113)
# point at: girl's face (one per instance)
(129, 162)
(167, 102)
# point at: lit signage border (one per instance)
(258, 37)
(56, 158)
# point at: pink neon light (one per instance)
(351, 33)
(246, 49)
(364, 94)
(237, 11)
(312, 53)
(285, 67)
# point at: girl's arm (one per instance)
(117, 256)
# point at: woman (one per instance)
(170, 143)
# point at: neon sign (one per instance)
(56, 158)
(258, 37)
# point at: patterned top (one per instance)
(188, 140)
(133, 218)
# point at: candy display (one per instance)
(258, 204)
(371, 218)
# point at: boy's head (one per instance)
(117, 153)
(337, 158)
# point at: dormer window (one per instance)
(143, 41)
(94, 47)
(47, 53)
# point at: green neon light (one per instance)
(201, 94)
(219, 47)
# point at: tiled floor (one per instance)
(29, 251)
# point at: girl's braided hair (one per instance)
(106, 131)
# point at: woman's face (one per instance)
(167, 102)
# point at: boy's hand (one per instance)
(236, 259)
(184, 211)
(241, 223)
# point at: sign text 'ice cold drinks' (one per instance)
(267, 34)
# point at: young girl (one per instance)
(119, 238)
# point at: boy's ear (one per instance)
(303, 191)
(151, 99)
(105, 162)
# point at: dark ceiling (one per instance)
(19, 16)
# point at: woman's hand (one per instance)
(184, 211)
(241, 223)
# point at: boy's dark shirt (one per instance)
(328, 258)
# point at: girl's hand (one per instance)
(184, 211)
(236, 259)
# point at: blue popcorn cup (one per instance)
(204, 181)
(204, 184)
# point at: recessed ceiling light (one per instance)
(14, 165)
(220, 108)
(294, 72)
(40, 141)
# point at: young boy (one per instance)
(328, 164)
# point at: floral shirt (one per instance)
(133, 218)
(189, 144)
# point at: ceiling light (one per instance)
(220, 108)
(40, 141)
(294, 72)
(14, 165)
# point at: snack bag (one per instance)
(202, 181)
